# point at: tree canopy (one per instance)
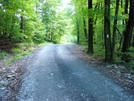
(109, 25)
(104, 27)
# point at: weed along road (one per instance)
(56, 74)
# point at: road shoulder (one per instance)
(118, 73)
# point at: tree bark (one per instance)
(107, 35)
(85, 29)
(114, 28)
(125, 11)
(84, 23)
(21, 24)
(128, 32)
(90, 30)
(78, 32)
(126, 7)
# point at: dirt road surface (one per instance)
(56, 74)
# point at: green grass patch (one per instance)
(19, 56)
(20, 51)
(3, 54)
(23, 49)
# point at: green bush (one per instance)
(129, 57)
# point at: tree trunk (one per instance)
(107, 35)
(114, 28)
(126, 7)
(90, 30)
(128, 32)
(21, 24)
(78, 32)
(125, 11)
(85, 29)
(133, 41)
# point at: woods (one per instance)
(105, 28)
(111, 24)
(30, 21)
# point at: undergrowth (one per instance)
(20, 51)
(3, 54)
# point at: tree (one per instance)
(18, 20)
(107, 35)
(53, 21)
(84, 24)
(90, 29)
(128, 32)
(78, 33)
(80, 8)
(114, 29)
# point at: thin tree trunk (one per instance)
(22, 21)
(125, 11)
(114, 28)
(85, 29)
(133, 41)
(21, 24)
(126, 7)
(121, 39)
(78, 32)
(90, 30)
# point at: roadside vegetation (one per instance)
(26, 25)
(105, 28)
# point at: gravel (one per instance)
(11, 77)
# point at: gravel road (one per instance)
(55, 74)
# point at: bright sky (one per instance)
(65, 3)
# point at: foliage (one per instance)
(19, 56)
(21, 50)
(3, 54)
(81, 12)
(38, 21)
(32, 21)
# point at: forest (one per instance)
(104, 27)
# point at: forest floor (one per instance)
(11, 75)
(121, 74)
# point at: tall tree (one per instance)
(78, 31)
(107, 35)
(90, 29)
(128, 32)
(114, 28)
(84, 24)
(22, 18)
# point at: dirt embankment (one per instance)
(6, 44)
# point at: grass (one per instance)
(19, 56)
(22, 50)
(3, 54)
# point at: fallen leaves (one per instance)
(120, 73)
(10, 80)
